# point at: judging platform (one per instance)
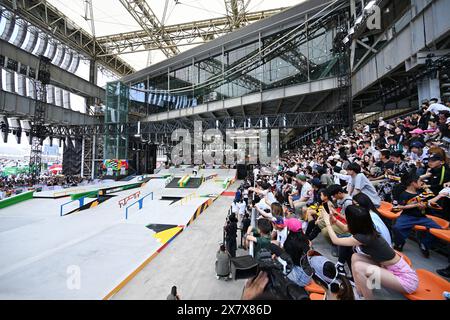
(95, 250)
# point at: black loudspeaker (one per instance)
(241, 171)
(72, 157)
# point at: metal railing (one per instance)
(253, 224)
(80, 204)
(141, 204)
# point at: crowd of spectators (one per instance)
(16, 184)
(333, 188)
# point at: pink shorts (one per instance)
(407, 276)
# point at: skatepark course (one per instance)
(93, 253)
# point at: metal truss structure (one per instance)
(92, 155)
(278, 121)
(194, 32)
(153, 36)
(143, 14)
(38, 129)
(236, 12)
(49, 19)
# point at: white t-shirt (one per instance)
(262, 205)
(416, 157)
(344, 177)
(241, 208)
(282, 236)
(270, 197)
(234, 207)
(306, 191)
(381, 227)
(437, 107)
(376, 155)
(363, 184)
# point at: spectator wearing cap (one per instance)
(417, 135)
(437, 175)
(306, 193)
(439, 151)
(419, 154)
(280, 231)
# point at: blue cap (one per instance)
(279, 221)
(316, 182)
(417, 144)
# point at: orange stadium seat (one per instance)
(313, 287)
(431, 287)
(441, 234)
(316, 296)
(386, 211)
(443, 223)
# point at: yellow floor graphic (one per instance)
(166, 235)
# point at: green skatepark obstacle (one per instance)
(16, 199)
(226, 182)
(183, 181)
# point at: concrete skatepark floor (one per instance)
(39, 248)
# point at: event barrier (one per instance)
(140, 201)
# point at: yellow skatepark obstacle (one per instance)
(188, 198)
(183, 181)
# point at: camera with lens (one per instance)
(279, 286)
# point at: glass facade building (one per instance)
(287, 58)
(285, 50)
(117, 99)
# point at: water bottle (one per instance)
(394, 205)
